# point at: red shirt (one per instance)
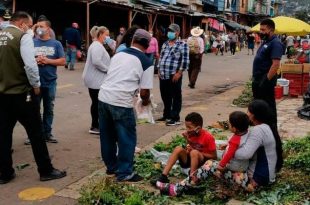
(204, 143)
(232, 147)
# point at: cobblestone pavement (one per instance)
(289, 124)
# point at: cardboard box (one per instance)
(306, 68)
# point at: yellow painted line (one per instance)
(64, 86)
(36, 193)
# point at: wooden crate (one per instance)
(291, 68)
(306, 68)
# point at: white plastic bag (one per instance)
(144, 113)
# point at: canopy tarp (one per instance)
(288, 25)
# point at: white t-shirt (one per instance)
(129, 71)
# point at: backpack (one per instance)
(193, 45)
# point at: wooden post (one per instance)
(14, 6)
(129, 18)
(183, 27)
(87, 24)
(150, 20)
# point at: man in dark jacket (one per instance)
(72, 41)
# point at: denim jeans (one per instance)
(71, 57)
(48, 94)
(117, 128)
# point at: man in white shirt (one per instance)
(130, 71)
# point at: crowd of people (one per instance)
(114, 73)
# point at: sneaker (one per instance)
(51, 139)
(133, 178)
(137, 150)
(66, 66)
(169, 190)
(7, 179)
(110, 173)
(27, 142)
(160, 182)
(173, 123)
(162, 119)
(54, 174)
(94, 131)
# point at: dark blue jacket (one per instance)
(72, 36)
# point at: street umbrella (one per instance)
(288, 25)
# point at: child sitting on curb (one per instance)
(228, 168)
(200, 147)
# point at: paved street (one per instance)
(78, 152)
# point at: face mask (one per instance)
(171, 35)
(264, 36)
(30, 32)
(41, 31)
(107, 40)
(192, 133)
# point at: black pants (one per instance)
(15, 108)
(93, 93)
(171, 94)
(233, 48)
(264, 89)
(194, 68)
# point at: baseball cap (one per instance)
(142, 34)
(174, 27)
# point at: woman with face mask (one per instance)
(96, 68)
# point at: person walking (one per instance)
(95, 70)
(122, 31)
(174, 59)
(130, 70)
(49, 54)
(251, 41)
(19, 90)
(196, 50)
(266, 64)
(72, 40)
(233, 42)
(152, 50)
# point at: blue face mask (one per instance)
(171, 35)
(107, 40)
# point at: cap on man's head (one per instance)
(142, 34)
(75, 25)
(174, 27)
(7, 15)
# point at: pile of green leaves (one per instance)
(246, 97)
(291, 187)
(297, 154)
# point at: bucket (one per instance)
(285, 84)
(278, 92)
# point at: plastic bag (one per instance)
(144, 114)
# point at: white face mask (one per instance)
(30, 32)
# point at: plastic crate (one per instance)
(291, 68)
(294, 78)
(305, 82)
(306, 68)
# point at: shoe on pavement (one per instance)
(51, 139)
(54, 174)
(133, 178)
(173, 123)
(94, 131)
(137, 150)
(27, 142)
(162, 119)
(7, 179)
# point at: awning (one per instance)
(215, 24)
(196, 13)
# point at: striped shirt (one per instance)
(173, 58)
